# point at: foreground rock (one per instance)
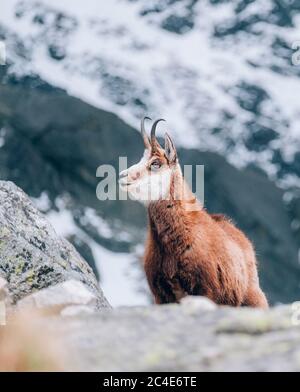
(193, 336)
(60, 298)
(3, 289)
(32, 256)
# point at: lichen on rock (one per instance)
(32, 255)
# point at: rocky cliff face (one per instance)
(32, 256)
(185, 60)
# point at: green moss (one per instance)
(19, 267)
(253, 324)
(63, 263)
(153, 358)
(30, 276)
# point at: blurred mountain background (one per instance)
(80, 75)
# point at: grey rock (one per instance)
(55, 298)
(178, 338)
(76, 310)
(85, 251)
(3, 289)
(195, 303)
(32, 256)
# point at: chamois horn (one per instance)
(154, 142)
(143, 132)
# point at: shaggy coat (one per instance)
(194, 253)
(188, 251)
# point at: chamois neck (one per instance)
(170, 220)
(168, 225)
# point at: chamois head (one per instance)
(150, 179)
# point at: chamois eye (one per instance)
(155, 165)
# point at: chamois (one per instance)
(188, 251)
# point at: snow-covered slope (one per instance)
(220, 72)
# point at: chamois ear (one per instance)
(170, 149)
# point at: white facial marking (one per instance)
(144, 185)
(152, 187)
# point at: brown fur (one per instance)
(194, 253)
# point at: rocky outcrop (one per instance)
(32, 256)
(3, 289)
(62, 298)
(196, 335)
